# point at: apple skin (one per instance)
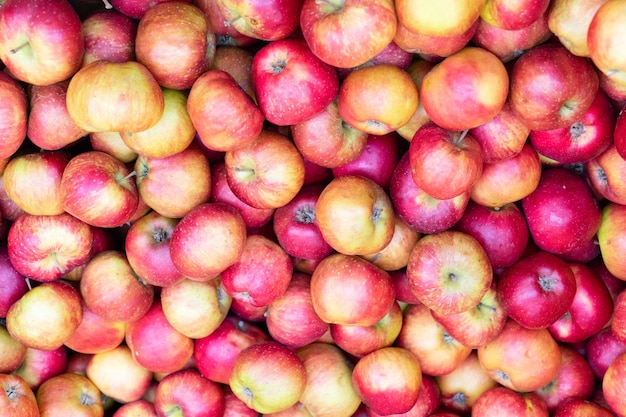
(576, 407)
(439, 19)
(601, 41)
(388, 380)
(513, 15)
(40, 365)
(225, 33)
(108, 35)
(341, 288)
(331, 30)
(437, 157)
(355, 215)
(137, 408)
(542, 282)
(14, 115)
(498, 400)
(210, 228)
(189, 393)
(395, 255)
(449, 271)
(13, 352)
(136, 8)
(113, 144)
(432, 47)
(69, 394)
(601, 350)
(465, 90)
(521, 359)
(45, 326)
(96, 334)
(13, 285)
(561, 228)
(603, 173)
(611, 238)
(264, 369)
(619, 133)
(619, 316)
(18, 399)
(291, 84)
(267, 21)
(41, 51)
(564, 102)
(612, 386)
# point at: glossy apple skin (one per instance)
(70, 393)
(15, 115)
(602, 348)
(136, 8)
(109, 35)
(498, 400)
(188, 391)
(618, 319)
(96, 334)
(267, 21)
(612, 386)
(508, 14)
(611, 238)
(22, 402)
(601, 40)
(576, 407)
(432, 47)
(39, 365)
(137, 408)
(12, 283)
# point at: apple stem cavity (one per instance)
(305, 215)
(12, 392)
(376, 213)
(107, 4)
(159, 235)
(460, 399)
(19, 48)
(576, 131)
(278, 66)
(86, 399)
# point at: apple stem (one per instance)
(130, 175)
(462, 136)
(107, 5)
(28, 284)
(16, 50)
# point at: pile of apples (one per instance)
(312, 208)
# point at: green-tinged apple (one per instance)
(613, 386)
(209, 239)
(12, 352)
(268, 377)
(147, 248)
(50, 126)
(46, 316)
(432, 47)
(388, 380)
(267, 172)
(349, 33)
(14, 111)
(569, 20)
(291, 84)
(155, 344)
(437, 351)
(355, 215)
(551, 88)
(41, 40)
(69, 394)
(113, 144)
(603, 38)
(291, 318)
(96, 334)
(195, 308)
(461, 388)
(266, 20)
(45, 248)
(444, 163)
(118, 376)
(605, 172)
(176, 43)
(521, 359)
(465, 90)
(40, 365)
(17, 399)
(172, 134)
(396, 254)
(109, 35)
(110, 288)
(498, 401)
(114, 96)
(188, 393)
(224, 115)
(341, 288)
(99, 189)
(33, 181)
(445, 18)
(378, 107)
(174, 185)
(449, 271)
(513, 14)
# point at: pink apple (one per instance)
(108, 35)
(268, 21)
(502, 400)
(137, 408)
(513, 15)
(39, 365)
(604, 173)
(601, 350)
(188, 392)
(576, 407)
(12, 284)
(96, 334)
(14, 115)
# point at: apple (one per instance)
(391, 54)
(235, 60)
(17, 399)
(268, 377)
(374, 107)
(33, 181)
(601, 350)
(551, 88)
(619, 316)
(437, 352)
(428, 401)
(41, 51)
(223, 114)
(96, 334)
(619, 132)
(40, 365)
(611, 238)
(584, 140)
(573, 216)
(444, 163)
(449, 271)
(136, 8)
(603, 173)
(388, 380)
(461, 388)
(291, 84)
(113, 144)
(472, 96)
(425, 214)
(396, 254)
(69, 394)
(108, 35)
(521, 359)
(46, 316)
(340, 144)
(267, 21)
(291, 318)
(328, 391)
(12, 352)
(417, 70)
(601, 41)
(296, 227)
(501, 400)
(50, 126)
(262, 273)
(14, 115)
(215, 353)
(355, 215)
(432, 47)
(350, 33)
(612, 283)
(225, 33)
(441, 19)
(117, 375)
(404, 295)
(359, 341)
(576, 407)
(110, 288)
(13, 285)
(189, 393)
(542, 282)
(612, 388)
(267, 172)
(137, 408)
(195, 308)
(569, 20)
(207, 240)
(513, 15)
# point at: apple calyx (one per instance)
(12, 392)
(576, 131)
(305, 215)
(547, 283)
(86, 399)
(459, 399)
(376, 213)
(278, 66)
(566, 109)
(159, 235)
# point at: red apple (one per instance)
(513, 15)
(268, 21)
(601, 350)
(69, 394)
(619, 132)
(109, 35)
(12, 284)
(137, 408)
(396, 254)
(605, 172)
(602, 40)
(96, 334)
(136, 8)
(17, 399)
(235, 60)
(39, 365)
(576, 407)
(619, 316)
(189, 393)
(612, 386)
(13, 352)
(432, 47)
(499, 401)
(14, 115)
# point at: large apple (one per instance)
(14, 112)
(81, 398)
(109, 35)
